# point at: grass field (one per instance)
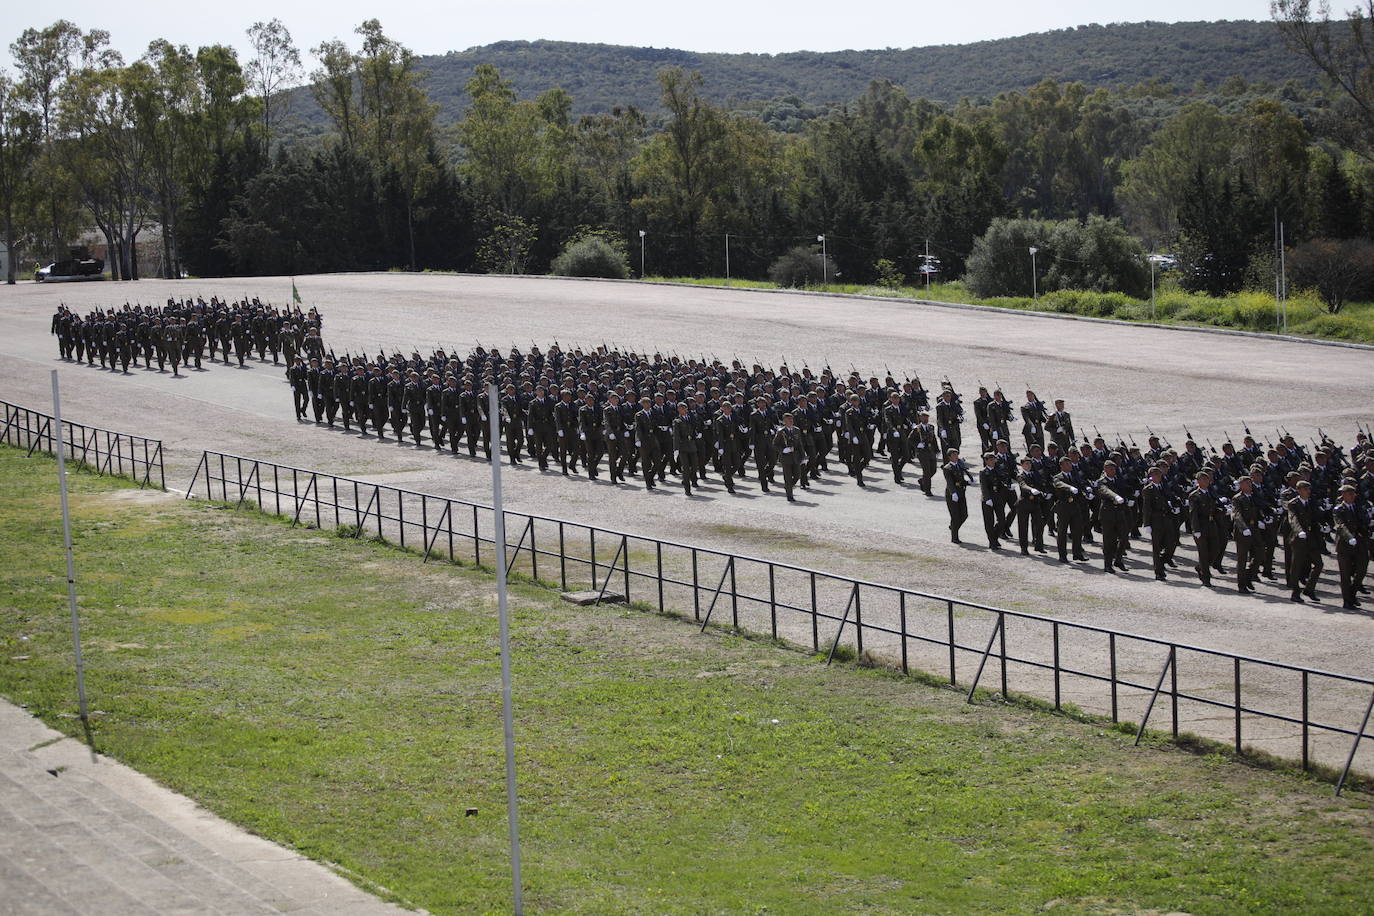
(343, 698)
(1247, 311)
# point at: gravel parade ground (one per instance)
(1115, 378)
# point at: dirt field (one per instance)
(1113, 377)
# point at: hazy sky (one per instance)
(695, 25)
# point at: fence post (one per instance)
(1355, 745)
(476, 540)
(1173, 692)
(1168, 664)
(853, 596)
(1304, 720)
(1111, 651)
(729, 568)
(658, 554)
(563, 564)
(625, 549)
(1237, 673)
(772, 602)
(978, 675)
(953, 679)
(815, 623)
(901, 599)
(534, 553)
(734, 596)
(591, 533)
(1055, 631)
(858, 618)
(696, 595)
(1002, 645)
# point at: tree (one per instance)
(1094, 254)
(334, 87)
(108, 155)
(276, 65)
(1338, 269)
(165, 111)
(46, 59)
(20, 135)
(1198, 139)
(1220, 226)
(1342, 51)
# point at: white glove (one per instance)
(856, 439)
(954, 496)
(1130, 502)
(1120, 501)
(987, 502)
(582, 436)
(787, 450)
(1246, 532)
(560, 432)
(1177, 510)
(1074, 490)
(1145, 528)
(985, 426)
(1263, 526)
(1302, 534)
(1353, 542)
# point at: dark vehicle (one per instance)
(71, 269)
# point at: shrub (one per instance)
(801, 267)
(1096, 256)
(888, 274)
(1337, 270)
(592, 255)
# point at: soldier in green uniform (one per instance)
(788, 446)
(957, 479)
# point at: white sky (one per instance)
(695, 25)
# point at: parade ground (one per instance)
(1115, 379)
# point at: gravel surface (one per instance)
(1118, 378)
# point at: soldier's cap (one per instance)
(1156, 472)
(926, 413)
(989, 456)
(1256, 469)
(1027, 458)
(1001, 442)
(1066, 460)
(1201, 474)
(1348, 488)
(1108, 464)
(1304, 468)
(1304, 484)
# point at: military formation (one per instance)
(652, 416)
(183, 333)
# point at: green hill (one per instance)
(1112, 56)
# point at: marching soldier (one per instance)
(990, 490)
(1352, 544)
(1113, 494)
(1304, 533)
(1060, 426)
(957, 479)
(1246, 515)
(787, 444)
(685, 446)
(1068, 516)
(724, 429)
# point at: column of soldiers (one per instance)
(182, 333)
(651, 416)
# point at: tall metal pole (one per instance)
(67, 544)
(642, 233)
(1283, 277)
(727, 259)
(1035, 293)
(825, 264)
(499, 516)
(1152, 288)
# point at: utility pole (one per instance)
(507, 715)
(642, 233)
(926, 264)
(1152, 286)
(825, 264)
(727, 259)
(1035, 294)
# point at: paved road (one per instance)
(84, 834)
(1116, 378)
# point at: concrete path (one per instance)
(81, 835)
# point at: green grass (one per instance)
(1247, 311)
(341, 697)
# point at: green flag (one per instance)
(295, 293)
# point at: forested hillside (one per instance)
(600, 77)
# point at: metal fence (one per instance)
(104, 451)
(1246, 702)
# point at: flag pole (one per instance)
(67, 544)
(499, 517)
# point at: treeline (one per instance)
(191, 143)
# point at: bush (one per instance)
(1337, 270)
(592, 255)
(888, 274)
(1095, 256)
(801, 267)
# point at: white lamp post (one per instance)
(1035, 294)
(825, 265)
